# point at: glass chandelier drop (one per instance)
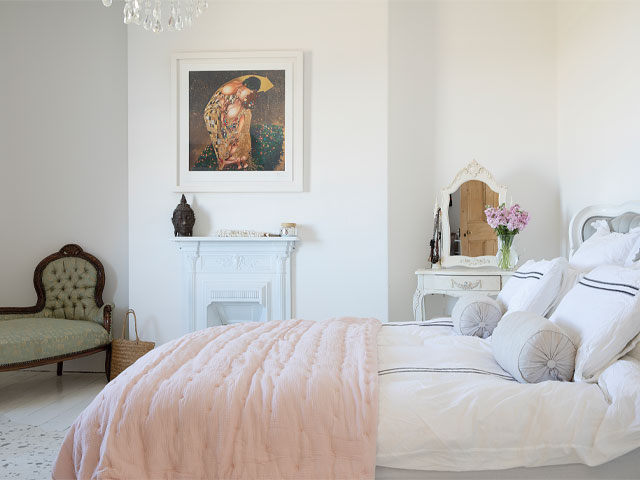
(149, 13)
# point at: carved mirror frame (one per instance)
(473, 171)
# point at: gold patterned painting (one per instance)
(236, 120)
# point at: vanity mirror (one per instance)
(467, 239)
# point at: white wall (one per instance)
(469, 80)
(63, 139)
(412, 127)
(598, 103)
(341, 263)
(542, 93)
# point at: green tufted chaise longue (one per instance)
(69, 319)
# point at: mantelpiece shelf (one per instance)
(235, 239)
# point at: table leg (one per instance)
(418, 306)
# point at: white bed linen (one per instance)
(445, 404)
(605, 248)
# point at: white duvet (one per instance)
(445, 404)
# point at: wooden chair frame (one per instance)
(70, 250)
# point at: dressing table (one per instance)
(467, 258)
(456, 282)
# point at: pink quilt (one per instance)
(293, 399)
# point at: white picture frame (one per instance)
(287, 176)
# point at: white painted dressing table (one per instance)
(473, 266)
(455, 282)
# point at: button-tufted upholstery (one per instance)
(70, 285)
(69, 318)
(622, 223)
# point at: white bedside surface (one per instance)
(464, 271)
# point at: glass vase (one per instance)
(507, 257)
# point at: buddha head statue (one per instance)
(183, 219)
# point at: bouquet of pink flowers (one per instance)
(505, 220)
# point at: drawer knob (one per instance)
(466, 285)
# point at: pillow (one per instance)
(601, 314)
(532, 349)
(619, 383)
(633, 259)
(570, 278)
(605, 248)
(635, 352)
(601, 227)
(476, 314)
(533, 287)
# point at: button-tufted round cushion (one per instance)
(69, 285)
(533, 349)
(476, 314)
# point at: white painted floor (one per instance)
(42, 399)
(36, 410)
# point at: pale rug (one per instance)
(26, 451)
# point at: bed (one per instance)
(440, 386)
(334, 399)
(442, 412)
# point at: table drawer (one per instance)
(467, 283)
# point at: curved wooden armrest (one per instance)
(106, 320)
(20, 310)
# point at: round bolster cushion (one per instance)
(476, 314)
(533, 349)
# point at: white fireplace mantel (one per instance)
(235, 271)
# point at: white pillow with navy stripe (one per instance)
(601, 314)
(533, 287)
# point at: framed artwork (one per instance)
(238, 120)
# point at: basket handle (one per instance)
(135, 323)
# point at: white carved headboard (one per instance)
(621, 218)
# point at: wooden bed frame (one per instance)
(70, 250)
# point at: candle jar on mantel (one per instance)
(288, 229)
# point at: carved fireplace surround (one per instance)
(237, 279)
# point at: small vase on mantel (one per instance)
(507, 256)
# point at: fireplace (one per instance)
(233, 280)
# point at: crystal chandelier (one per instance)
(149, 13)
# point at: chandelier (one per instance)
(149, 13)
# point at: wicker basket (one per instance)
(125, 352)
